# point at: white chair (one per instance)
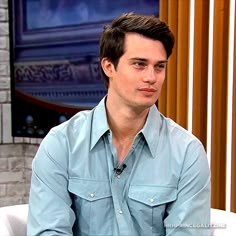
(13, 220)
(223, 223)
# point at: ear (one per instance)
(107, 67)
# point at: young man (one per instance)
(123, 168)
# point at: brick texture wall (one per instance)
(16, 154)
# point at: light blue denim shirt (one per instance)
(164, 189)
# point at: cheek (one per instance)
(126, 79)
(162, 80)
(162, 77)
(121, 83)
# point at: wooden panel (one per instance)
(219, 103)
(173, 100)
(172, 64)
(200, 70)
(167, 100)
(182, 62)
(162, 101)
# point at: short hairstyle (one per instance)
(113, 37)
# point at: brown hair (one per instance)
(113, 37)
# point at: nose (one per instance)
(150, 75)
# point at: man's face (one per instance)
(140, 73)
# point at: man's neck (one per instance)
(124, 123)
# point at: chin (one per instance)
(147, 105)
(143, 103)
(149, 102)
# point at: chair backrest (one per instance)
(223, 223)
(13, 220)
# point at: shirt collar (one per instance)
(99, 122)
(151, 129)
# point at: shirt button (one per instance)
(120, 212)
(92, 195)
(118, 176)
(151, 200)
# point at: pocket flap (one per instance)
(152, 195)
(90, 190)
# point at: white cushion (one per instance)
(223, 223)
(13, 220)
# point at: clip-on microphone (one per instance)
(118, 171)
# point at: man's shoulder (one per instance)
(181, 143)
(177, 132)
(75, 123)
(82, 120)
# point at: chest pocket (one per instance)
(92, 204)
(147, 204)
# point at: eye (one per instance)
(160, 66)
(139, 64)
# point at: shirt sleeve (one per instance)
(190, 213)
(50, 211)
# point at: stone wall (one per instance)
(15, 172)
(16, 154)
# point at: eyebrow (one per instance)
(164, 61)
(145, 60)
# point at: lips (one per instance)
(150, 90)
